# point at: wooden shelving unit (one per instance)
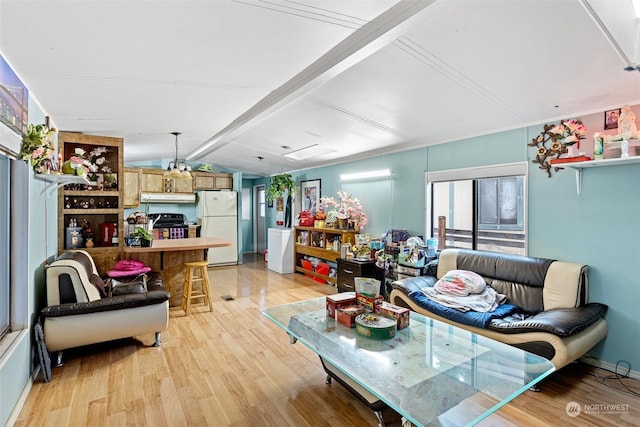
(98, 202)
(318, 243)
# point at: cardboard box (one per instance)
(347, 315)
(401, 314)
(334, 302)
(370, 304)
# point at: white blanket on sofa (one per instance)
(464, 291)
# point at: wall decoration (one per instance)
(555, 141)
(14, 100)
(310, 195)
(611, 119)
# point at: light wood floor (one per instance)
(233, 367)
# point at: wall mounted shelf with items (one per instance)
(61, 179)
(579, 166)
(319, 243)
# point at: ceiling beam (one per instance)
(368, 39)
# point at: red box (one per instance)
(106, 230)
(370, 304)
(347, 315)
(401, 314)
(306, 219)
(334, 302)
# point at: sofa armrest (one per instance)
(412, 284)
(119, 302)
(562, 322)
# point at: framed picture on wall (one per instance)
(611, 119)
(310, 195)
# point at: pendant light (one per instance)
(177, 169)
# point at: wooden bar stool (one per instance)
(196, 272)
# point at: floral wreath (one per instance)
(559, 137)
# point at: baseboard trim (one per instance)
(590, 360)
(15, 413)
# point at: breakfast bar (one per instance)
(169, 255)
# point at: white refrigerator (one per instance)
(217, 213)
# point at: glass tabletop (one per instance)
(431, 373)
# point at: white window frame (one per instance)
(490, 171)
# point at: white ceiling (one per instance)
(243, 79)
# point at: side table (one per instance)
(348, 270)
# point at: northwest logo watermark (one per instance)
(574, 409)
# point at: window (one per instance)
(5, 299)
(479, 208)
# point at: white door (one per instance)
(224, 227)
(259, 219)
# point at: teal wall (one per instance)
(40, 228)
(598, 227)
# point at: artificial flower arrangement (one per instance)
(344, 207)
(559, 137)
(37, 148)
(78, 164)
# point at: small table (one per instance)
(430, 372)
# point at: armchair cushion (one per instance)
(563, 322)
(119, 302)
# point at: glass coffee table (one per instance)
(431, 373)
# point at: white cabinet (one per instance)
(280, 247)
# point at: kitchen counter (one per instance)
(187, 244)
(169, 255)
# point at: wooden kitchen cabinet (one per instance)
(153, 181)
(132, 187)
(213, 181)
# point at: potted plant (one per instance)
(143, 235)
(279, 184)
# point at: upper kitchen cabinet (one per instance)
(213, 181)
(132, 187)
(153, 181)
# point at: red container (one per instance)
(401, 314)
(347, 315)
(334, 302)
(306, 219)
(106, 233)
(370, 305)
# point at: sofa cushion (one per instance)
(521, 278)
(119, 302)
(562, 322)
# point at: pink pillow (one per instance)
(128, 267)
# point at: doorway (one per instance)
(259, 215)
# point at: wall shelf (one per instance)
(579, 166)
(61, 179)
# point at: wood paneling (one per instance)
(234, 367)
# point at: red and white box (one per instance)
(334, 302)
(370, 304)
(401, 314)
(347, 315)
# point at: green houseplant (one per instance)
(144, 235)
(279, 184)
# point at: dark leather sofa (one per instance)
(554, 317)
